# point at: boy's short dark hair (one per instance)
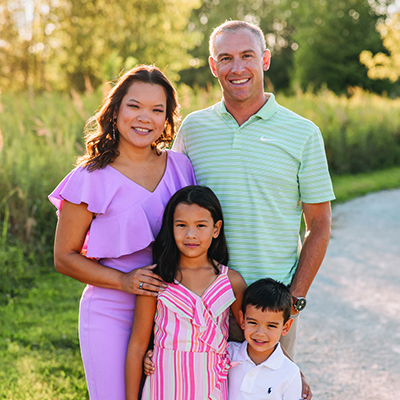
(270, 295)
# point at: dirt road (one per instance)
(349, 342)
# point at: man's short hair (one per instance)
(232, 27)
(270, 295)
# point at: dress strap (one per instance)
(224, 270)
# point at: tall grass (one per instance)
(40, 137)
(361, 133)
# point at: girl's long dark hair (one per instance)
(165, 251)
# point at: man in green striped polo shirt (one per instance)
(266, 164)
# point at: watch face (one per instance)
(300, 304)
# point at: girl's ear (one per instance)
(217, 229)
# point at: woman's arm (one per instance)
(73, 223)
(145, 309)
(238, 287)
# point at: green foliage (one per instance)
(39, 140)
(80, 44)
(382, 66)
(361, 133)
(47, 44)
(331, 35)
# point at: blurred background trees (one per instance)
(59, 44)
(63, 44)
(381, 66)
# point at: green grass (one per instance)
(39, 347)
(348, 187)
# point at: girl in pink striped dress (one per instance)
(191, 315)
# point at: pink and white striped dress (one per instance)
(190, 343)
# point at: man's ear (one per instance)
(213, 67)
(266, 59)
(286, 327)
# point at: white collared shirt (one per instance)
(275, 378)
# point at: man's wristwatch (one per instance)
(299, 303)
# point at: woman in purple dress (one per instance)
(118, 192)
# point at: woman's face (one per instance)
(141, 116)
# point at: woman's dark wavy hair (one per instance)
(165, 251)
(101, 148)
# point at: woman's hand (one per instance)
(143, 281)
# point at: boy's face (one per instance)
(262, 330)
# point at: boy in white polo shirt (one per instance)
(260, 370)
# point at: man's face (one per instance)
(239, 64)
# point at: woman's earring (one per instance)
(114, 123)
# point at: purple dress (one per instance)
(128, 220)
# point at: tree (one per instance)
(381, 65)
(80, 43)
(330, 43)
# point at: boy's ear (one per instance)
(286, 327)
(217, 229)
(241, 319)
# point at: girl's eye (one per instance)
(133, 106)
(159, 111)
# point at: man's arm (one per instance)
(318, 231)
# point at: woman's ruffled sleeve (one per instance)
(81, 186)
(127, 216)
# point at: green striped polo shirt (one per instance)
(261, 172)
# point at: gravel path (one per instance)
(349, 342)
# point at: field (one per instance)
(40, 137)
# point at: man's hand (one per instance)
(148, 365)
(307, 394)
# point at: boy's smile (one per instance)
(262, 330)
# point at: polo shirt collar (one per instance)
(265, 112)
(274, 361)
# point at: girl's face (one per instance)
(141, 115)
(194, 229)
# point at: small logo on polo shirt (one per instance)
(269, 390)
(264, 139)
